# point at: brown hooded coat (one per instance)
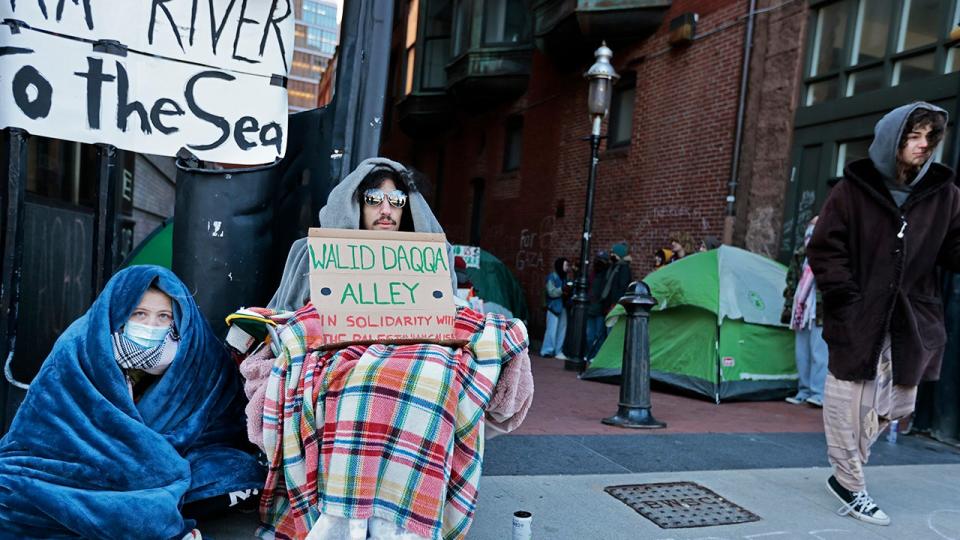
(876, 265)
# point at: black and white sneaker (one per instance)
(857, 504)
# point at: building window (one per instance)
(871, 31)
(462, 18)
(829, 38)
(429, 24)
(436, 44)
(913, 68)
(864, 81)
(504, 21)
(324, 41)
(513, 142)
(848, 151)
(859, 46)
(953, 60)
(320, 14)
(476, 211)
(302, 95)
(920, 23)
(413, 11)
(309, 66)
(620, 129)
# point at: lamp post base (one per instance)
(634, 417)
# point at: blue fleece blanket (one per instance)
(82, 459)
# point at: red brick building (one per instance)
(488, 100)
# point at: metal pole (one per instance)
(634, 407)
(12, 267)
(361, 84)
(728, 221)
(580, 299)
(103, 223)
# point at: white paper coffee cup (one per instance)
(522, 525)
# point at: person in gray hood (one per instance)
(379, 194)
(884, 230)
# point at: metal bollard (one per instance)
(634, 407)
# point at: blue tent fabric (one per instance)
(81, 459)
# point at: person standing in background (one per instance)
(556, 331)
(619, 275)
(803, 312)
(596, 330)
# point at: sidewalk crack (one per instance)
(579, 441)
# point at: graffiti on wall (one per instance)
(792, 233)
(533, 243)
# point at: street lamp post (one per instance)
(601, 76)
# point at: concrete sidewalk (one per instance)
(923, 502)
(767, 457)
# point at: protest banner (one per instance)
(470, 255)
(250, 36)
(381, 287)
(150, 77)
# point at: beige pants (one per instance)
(856, 412)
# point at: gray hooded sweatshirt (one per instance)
(342, 211)
(885, 147)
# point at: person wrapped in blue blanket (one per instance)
(135, 417)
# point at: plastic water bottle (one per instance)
(892, 432)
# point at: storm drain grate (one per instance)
(679, 505)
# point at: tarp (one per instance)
(715, 330)
(494, 282)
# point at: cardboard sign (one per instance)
(381, 287)
(470, 255)
(151, 77)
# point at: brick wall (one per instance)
(671, 179)
(154, 193)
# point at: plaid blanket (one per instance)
(393, 431)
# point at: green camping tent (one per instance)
(494, 282)
(716, 329)
(156, 248)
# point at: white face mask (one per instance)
(145, 335)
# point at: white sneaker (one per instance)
(193, 535)
(560, 356)
(816, 401)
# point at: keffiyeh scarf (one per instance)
(131, 355)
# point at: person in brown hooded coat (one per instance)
(884, 230)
